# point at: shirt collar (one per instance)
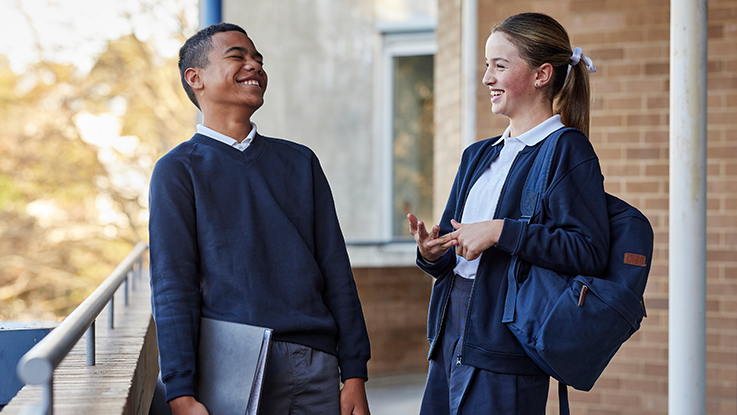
(209, 132)
(536, 134)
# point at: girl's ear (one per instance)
(193, 78)
(544, 74)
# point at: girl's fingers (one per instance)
(434, 232)
(449, 244)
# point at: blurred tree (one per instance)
(76, 153)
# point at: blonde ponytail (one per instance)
(572, 102)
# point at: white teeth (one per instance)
(251, 82)
(496, 93)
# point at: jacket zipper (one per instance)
(458, 217)
(459, 358)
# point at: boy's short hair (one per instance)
(193, 53)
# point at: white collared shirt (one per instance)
(483, 197)
(242, 146)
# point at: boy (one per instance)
(243, 228)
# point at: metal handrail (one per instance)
(37, 366)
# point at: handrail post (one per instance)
(128, 276)
(91, 345)
(134, 275)
(111, 313)
(48, 397)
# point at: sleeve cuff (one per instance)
(422, 262)
(511, 235)
(353, 367)
(179, 385)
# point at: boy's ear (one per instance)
(193, 78)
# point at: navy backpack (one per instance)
(572, 325)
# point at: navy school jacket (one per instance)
(572, 238)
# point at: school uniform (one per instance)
(476, 363)
(247, 232)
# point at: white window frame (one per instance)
(422, 41)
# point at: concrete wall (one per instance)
(322, 58)
(319, 56)
(629, 43)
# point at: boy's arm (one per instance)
(340, 293)
(175, 285)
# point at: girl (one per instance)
(537, 81)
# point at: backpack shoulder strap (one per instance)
(537, 178)
(535, 185)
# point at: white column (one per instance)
(687, 228)
(469, 78)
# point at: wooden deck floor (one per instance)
(124, 377)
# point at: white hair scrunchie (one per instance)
(576, 58)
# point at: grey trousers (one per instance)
(300, 380)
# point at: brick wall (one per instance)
(447, 102)
(394, 304)
(629, 43)
(721, 323)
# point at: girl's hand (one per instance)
(428, 242)
(475, 238)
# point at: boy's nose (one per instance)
(251, 64)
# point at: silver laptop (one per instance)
(230, 366)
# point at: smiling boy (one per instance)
(243, 228)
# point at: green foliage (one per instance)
(69, 206)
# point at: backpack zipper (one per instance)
(584, 290)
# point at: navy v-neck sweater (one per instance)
(249, 237)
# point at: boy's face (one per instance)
(235, 75)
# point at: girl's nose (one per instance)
(488, 78)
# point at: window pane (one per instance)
(412, 141)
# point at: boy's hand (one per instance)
(353, 398)
(431, 247)
(187, 405)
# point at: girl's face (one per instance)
(510, 79)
